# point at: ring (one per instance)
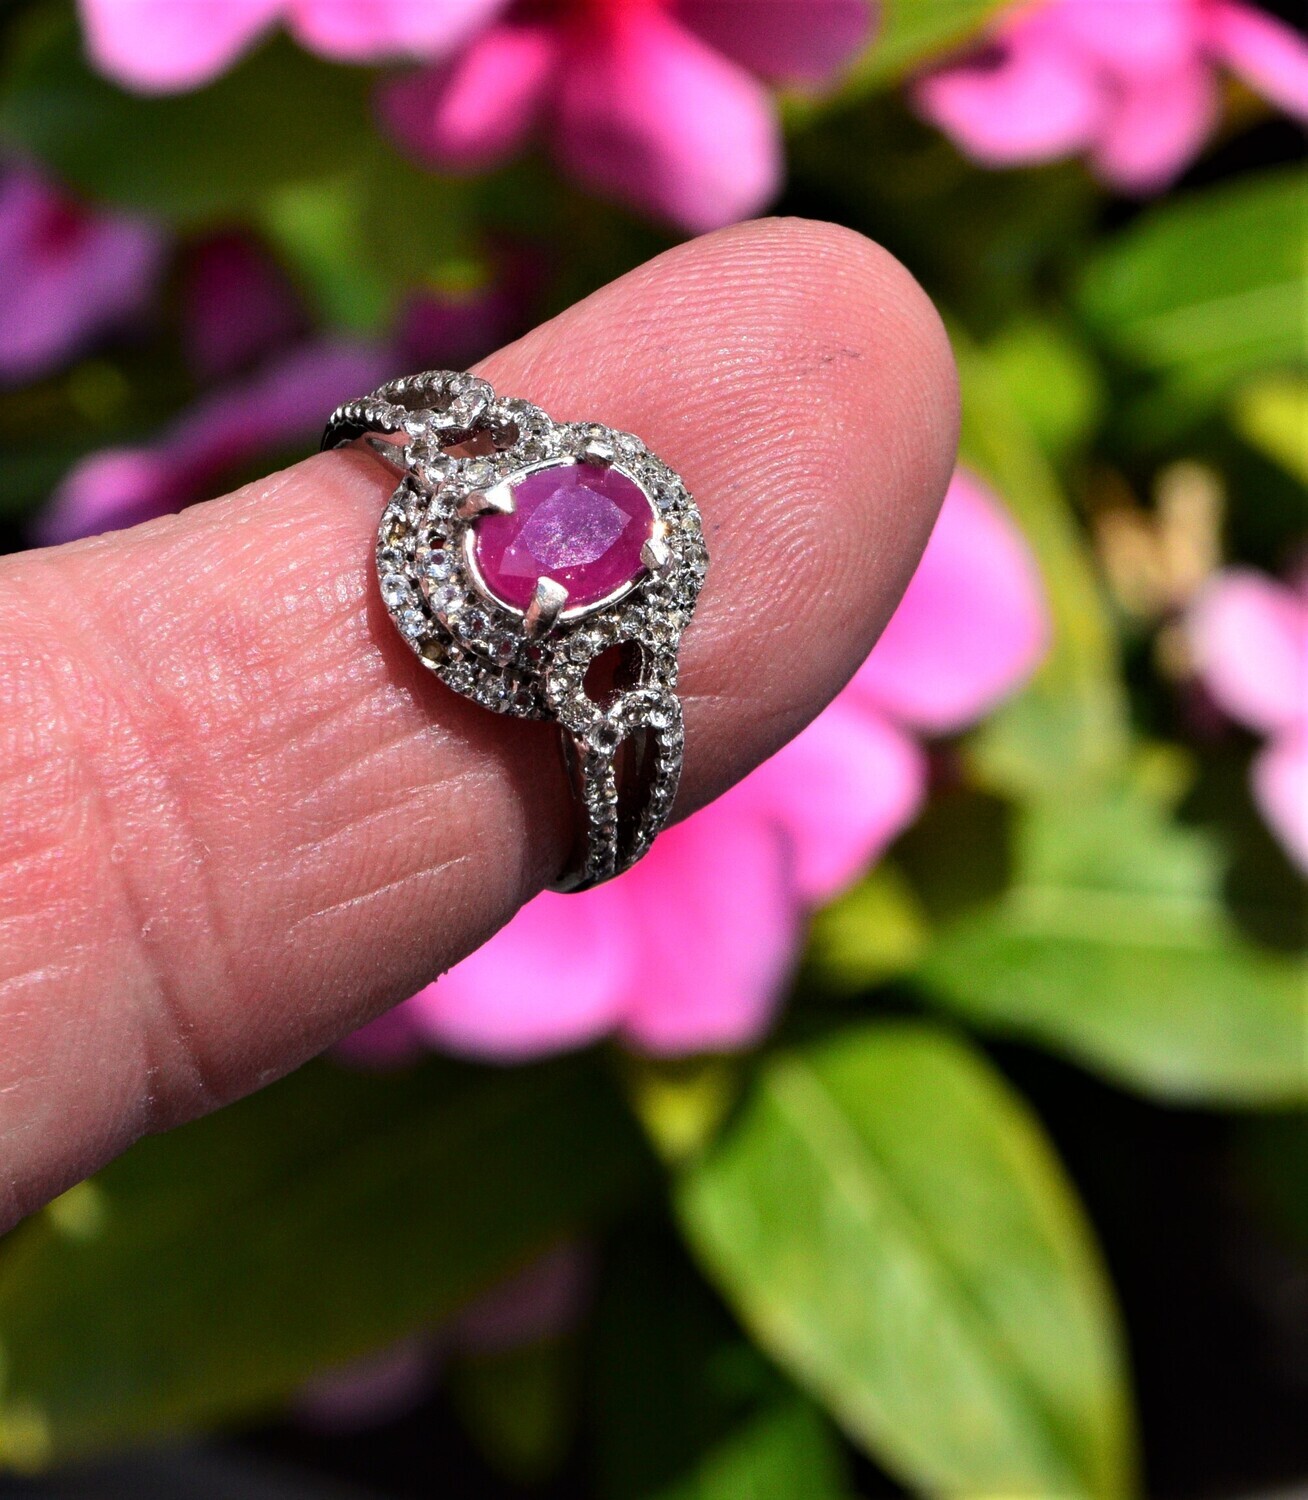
(545, 570)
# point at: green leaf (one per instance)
(783, 1452)
(873, 933)
(1052, 381)
(909, 35)
(1207, 286)
(340, 235)
(687, 1409)
(889, 1223)
(518, 1405)
(280, 116)
(1069, 726)
(1113, 945)
(1272, 414)
(914, 32)
(210, 1271)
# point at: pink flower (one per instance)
(1249, 636)
(237, 306)
(157, 46)
(70, 274)
(661, 104)
(692, 949)
(1132, 83)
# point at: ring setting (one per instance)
(517, 553)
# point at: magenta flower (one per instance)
(661, 104)
(238, 306)
(692, 949)
(1249, 636)
(1131, 83)
(158, 46)
(70, 274)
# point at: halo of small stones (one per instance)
(481, 650)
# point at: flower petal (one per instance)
(1249, 638)
(542, 1301)
(237, 306)
(1131, 38)
(721, 922)
(479, 110)
(971, 626)
(391, 1041)
(1270, 57)
(1280, 784)
(651, 116)
(70, 274)
(108, 490)
(1157, 128)
(841, 791)
(784, 42)
(554, 978)
(382, 29)
(1027, 97)
(367, 1392)
(159, 46)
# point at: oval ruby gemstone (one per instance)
(582, 525)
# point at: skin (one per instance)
(240, 819)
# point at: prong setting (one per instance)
(656, 554)
(496, 500)
(547, 604)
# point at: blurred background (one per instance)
(954, 1143)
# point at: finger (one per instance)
(240, 818)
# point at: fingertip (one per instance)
(799, 378)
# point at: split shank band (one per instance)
(517, 552)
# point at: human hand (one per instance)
(240, 819)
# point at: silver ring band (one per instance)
(515, 554)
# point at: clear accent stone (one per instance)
(473, 624)
(446, 600)
(437, 566)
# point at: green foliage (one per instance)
(1069, 727)
(687, 1409)
(1272, 414)
(280, 117)
(1207, 287)
(518, 1405)
(212, 1270)
(913, 32)
(1113, 945)
(1052, 380)
(873, 933)
(890, 1225)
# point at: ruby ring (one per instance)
(545, 570)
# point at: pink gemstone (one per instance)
(582, 525)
